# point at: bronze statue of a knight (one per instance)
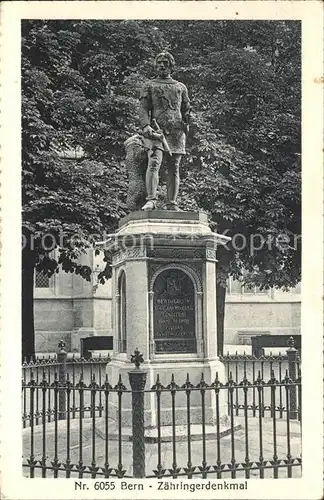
(164, 119)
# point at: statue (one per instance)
(164, 118)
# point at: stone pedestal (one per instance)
(164, 304)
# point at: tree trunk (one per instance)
(28, 332)
(220, 301)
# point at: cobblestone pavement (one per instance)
(167, 449)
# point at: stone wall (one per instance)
(71, 308)
(243, 319)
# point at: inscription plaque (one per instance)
(174, 312)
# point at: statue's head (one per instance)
(164, 64)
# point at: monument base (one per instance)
(164, 306)
(202, 404)
(152, 436)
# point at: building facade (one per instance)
(68, 307)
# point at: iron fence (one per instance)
(243, 366)
(72, 438)
(56, 369)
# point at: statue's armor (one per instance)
(167, 101)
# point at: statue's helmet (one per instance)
(167, 56)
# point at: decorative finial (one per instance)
(61, 345)
(137, 358)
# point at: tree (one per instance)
(244, 161)
(80, 88)
(69, 74)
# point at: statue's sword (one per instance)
(156, 128)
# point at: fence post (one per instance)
(61, 358)
(137, 380)
(292, 354)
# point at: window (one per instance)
(41, 280)
(254, 290)
(44, 286)
(236, 287)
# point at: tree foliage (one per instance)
(80, 85)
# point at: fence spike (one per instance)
(157, 386)
(287, 379)
(120, 386)
(187, 385)
(273, 379)
(259, 379)
(246, 381)
(173, 385)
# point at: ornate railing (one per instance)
(78, 429)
